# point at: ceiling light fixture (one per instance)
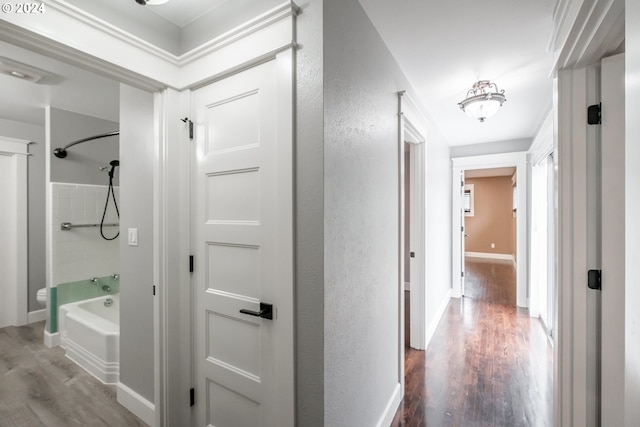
(21, 71)
(151, 2)
(483, 100)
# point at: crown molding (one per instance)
(286, 9)
(585, 31)
(101, 25)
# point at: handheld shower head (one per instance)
(114, 164)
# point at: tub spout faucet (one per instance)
(106, 288)
(93, 281)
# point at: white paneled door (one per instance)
(244, 249)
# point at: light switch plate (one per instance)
(132, 239)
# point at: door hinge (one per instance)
(190, 263)
(461, 183)
(462, 274)
(192, 396)
(594, 114)
(186, 120)
(462, 228)
(154, 290)
(594, 279)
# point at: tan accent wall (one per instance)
(493, 220)
(514, 222)
(514, 225)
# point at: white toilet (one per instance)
(41, 296)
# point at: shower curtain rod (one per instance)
(61, 153)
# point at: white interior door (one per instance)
(8, 238)
(13, 232)
(418, 300)
(613, 240)
(244, 245)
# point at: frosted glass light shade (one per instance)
(156, 2)
(482, 109)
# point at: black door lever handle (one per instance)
(266, 311)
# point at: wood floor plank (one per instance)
(40, 386)
(488, 364)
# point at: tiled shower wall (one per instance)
(81, 253)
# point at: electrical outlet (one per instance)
(493, 246)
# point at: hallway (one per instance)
(488, 364)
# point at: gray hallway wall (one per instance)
(136, 262)
(361, 81)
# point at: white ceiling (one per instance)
(182, 12)
(67, 87)
(443, 47)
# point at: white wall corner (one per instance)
(455, 293)
(391, 408)
(137, 404)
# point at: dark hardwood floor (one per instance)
(40, 386)
(488, 363)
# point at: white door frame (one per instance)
(412, 131)
(540, 150)
(16, 290)
(612, 239)
(519, 161)
(583, 33)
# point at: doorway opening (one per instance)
(489, 218)
(462, 165)
(543, 256)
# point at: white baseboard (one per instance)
(507, 257)
(456, 292)
(436, 319)
(36, 316)
(391, 408)
(51, 340)
(407, 286)
(137, 404)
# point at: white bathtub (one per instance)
(90, 335)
